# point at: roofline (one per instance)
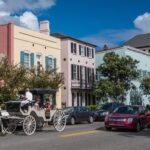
(101, 50)
(128, 47)
(72, 38)
(143, 46)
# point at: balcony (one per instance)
(82, 85)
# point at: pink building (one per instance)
(78, 66)
(31, 49)
(6, 41)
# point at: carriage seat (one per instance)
(25, 106)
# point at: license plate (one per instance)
(116, 124)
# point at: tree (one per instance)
(13, 79)
(117, 74)
(46, 79)
(145, 85)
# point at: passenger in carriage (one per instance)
(37, 103)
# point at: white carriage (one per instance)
(30, 117)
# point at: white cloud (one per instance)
(142, 22)
(4, 13)
(116, 37)
(27, 19)
(17, 5)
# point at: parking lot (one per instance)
(81, 137)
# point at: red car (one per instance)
(128, 117)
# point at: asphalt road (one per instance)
(78, 137)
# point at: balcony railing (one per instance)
(82, 84)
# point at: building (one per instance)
(30, 48)
(78, 66)
(134, 96)
(141, 41)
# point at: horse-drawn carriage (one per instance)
(30, 117)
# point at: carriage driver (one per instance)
(29, 95)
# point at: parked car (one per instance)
(128, 117)
(78, 115)
(106, 108)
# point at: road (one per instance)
(78, 137)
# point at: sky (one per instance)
(100, 22)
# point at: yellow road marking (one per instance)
(79, 133)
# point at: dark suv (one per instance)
(78, 114)
(105, 109)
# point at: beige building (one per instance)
(30, 48)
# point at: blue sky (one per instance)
(98, 21)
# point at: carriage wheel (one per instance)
(59, 121)
(10, 127)
(2, 128)
(29, 125)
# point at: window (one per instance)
(49, 63)
(144, 73)
(73, 48)
(90, 53)
(74, 72)
(26, 60)
(81, 50)
(39, 59)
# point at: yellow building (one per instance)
(30, 48)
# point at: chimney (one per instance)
(45, 27)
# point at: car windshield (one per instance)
(127, 110)
(68, 109)
(106, 106)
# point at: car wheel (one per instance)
(138, 127)
(108, 128)
(91, 119)
(72, 121)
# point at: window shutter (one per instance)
(71, 47)
(81, 73)
(78, 73)
(32, 59)
(85, 74)
(93, 53)
(85, 51)
(88, 74)
(22, 58)
(75, 48)
(55, 63)
(72, 72)
(79, 49)
(46, 62)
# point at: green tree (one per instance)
(13, 79)
(145, 85)
(46, 79)
(116, 75)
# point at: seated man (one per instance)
(24, 104)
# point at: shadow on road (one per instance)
(127, 133)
